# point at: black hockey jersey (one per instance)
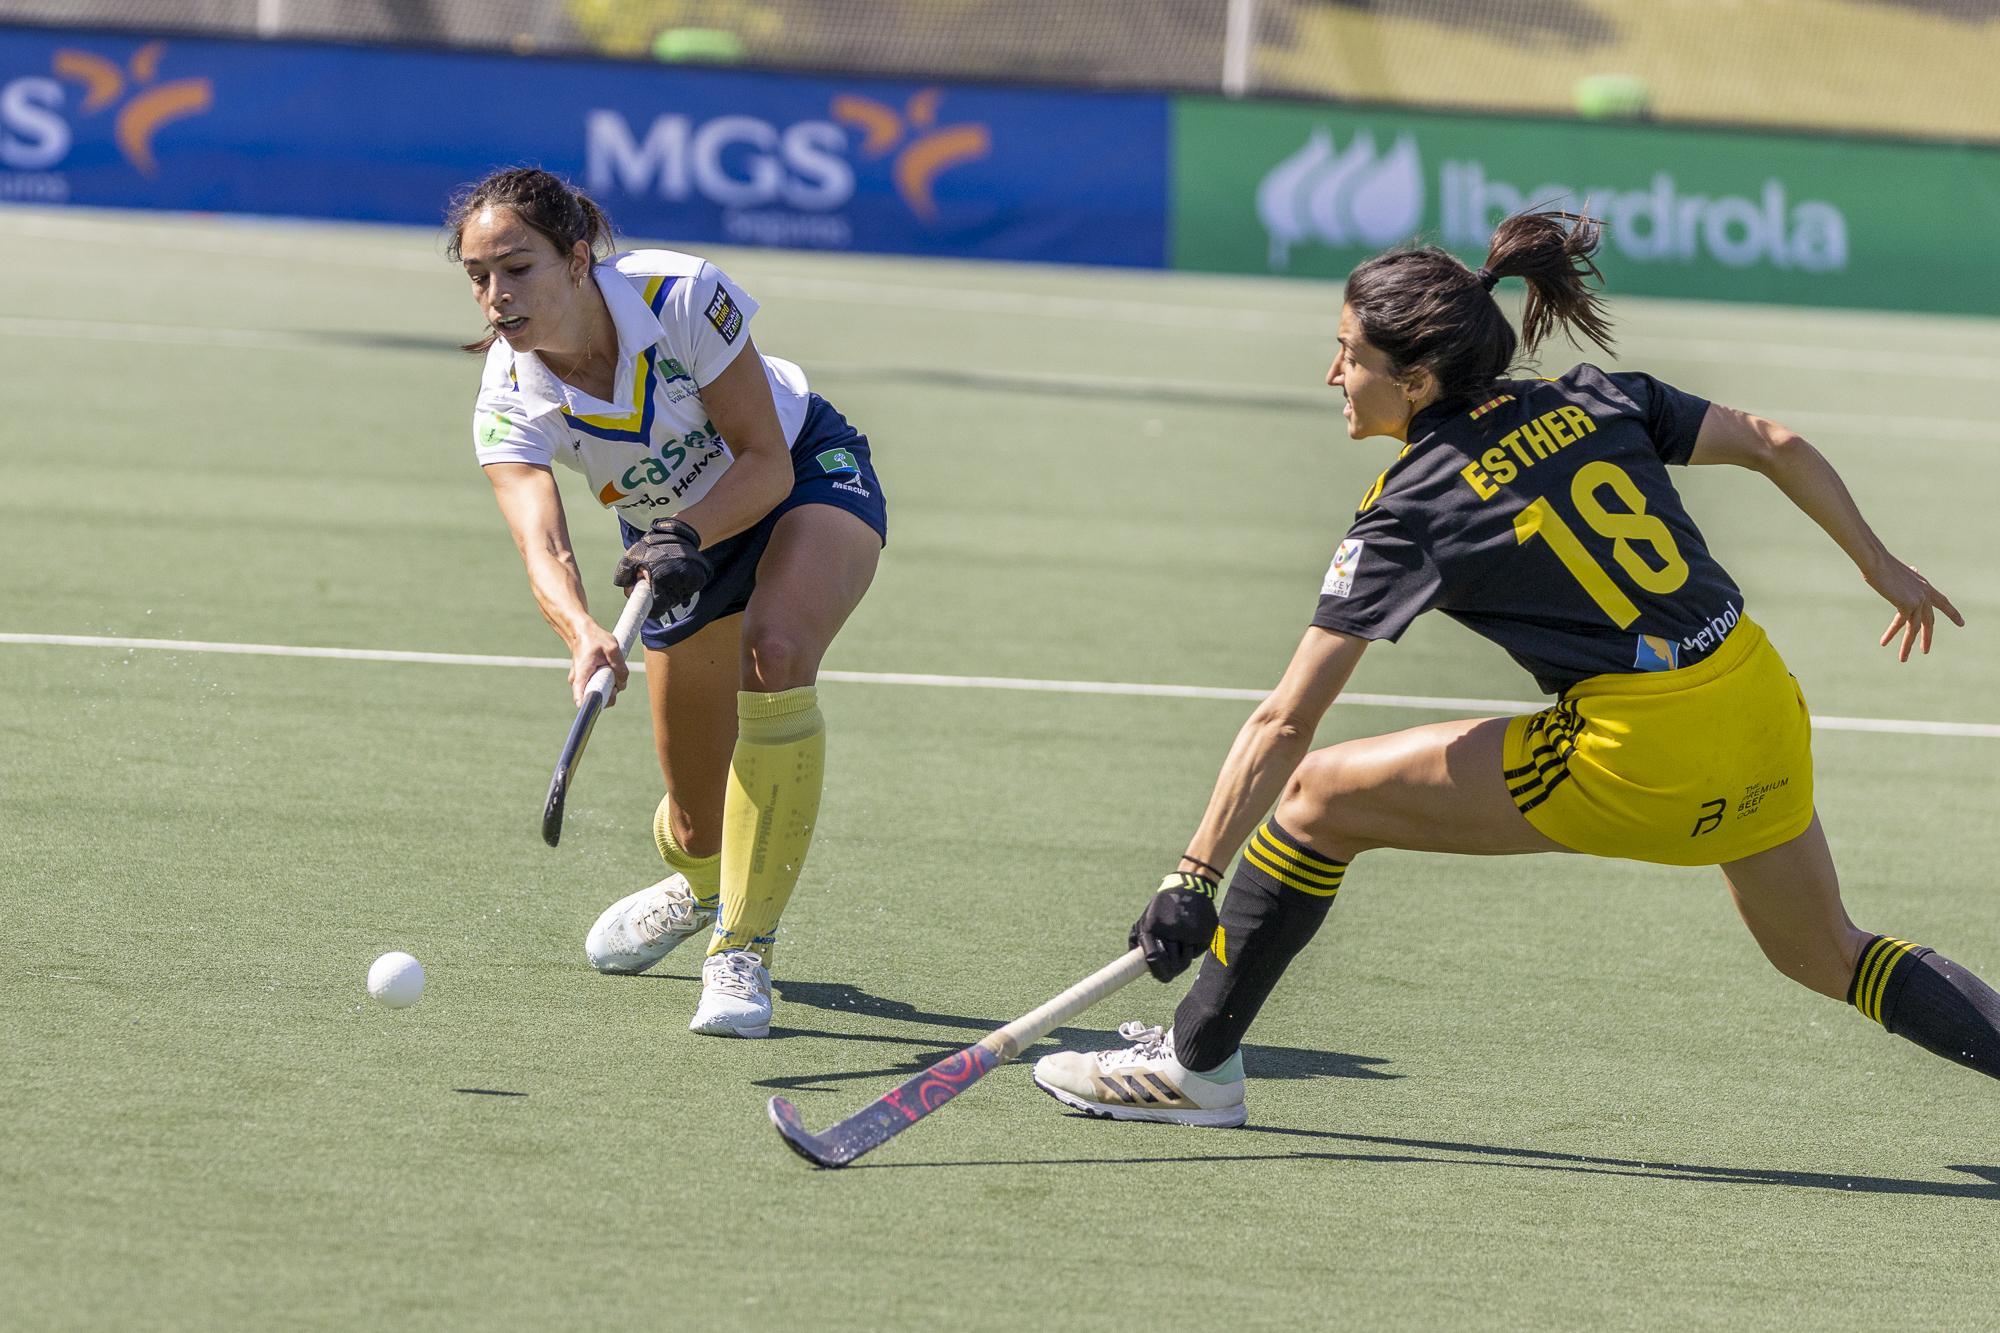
(1541, 516)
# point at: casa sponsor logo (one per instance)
(783, 182)
(1340, 574)
(670, 468)
(1364, 196)
(41, 116)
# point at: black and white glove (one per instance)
(670, 557)
(1177, 925)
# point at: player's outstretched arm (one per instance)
(1272, 743)
(1179, 920)
(1810, 482)
(532, 506)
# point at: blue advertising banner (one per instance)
(694, 155)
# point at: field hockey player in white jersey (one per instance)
(748, 502)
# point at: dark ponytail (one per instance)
(546, 204)
(1552, 251)
(1425, 309)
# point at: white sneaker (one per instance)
(641, 928)
(735, 996)
(1144, 1082)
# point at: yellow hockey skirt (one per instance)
(1693, 767)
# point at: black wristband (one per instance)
(1200, 864)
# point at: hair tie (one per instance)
(1487, 277)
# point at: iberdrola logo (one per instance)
(1353, 197)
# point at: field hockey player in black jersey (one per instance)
(1540, 515)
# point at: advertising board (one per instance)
(695, 155)
(1313, 190)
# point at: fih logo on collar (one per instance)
(151, 105)
(927, 149)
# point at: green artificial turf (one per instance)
(1511, 1094)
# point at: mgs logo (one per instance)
(1353, 197)
(151, 105)
(34, 134)
(928, 150)
(37, 129)
(777, 183)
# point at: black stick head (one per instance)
(802, 1140)
(566, 764)
(552, 809)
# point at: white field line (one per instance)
(189, 335)
(1974, 430)
(269, 240)
(1123, 689)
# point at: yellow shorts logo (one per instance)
(152, 105)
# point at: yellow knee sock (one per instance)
(768, 814)
(704, 873)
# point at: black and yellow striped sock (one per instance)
(1277, 899)
(1921, 995)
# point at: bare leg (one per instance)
(1435, 788)
(693, 689)
(820, 561)
(1790, 899)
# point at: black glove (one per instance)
(1177, 925)
(670, 557)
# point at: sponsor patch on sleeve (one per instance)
(722, 313)
(493, 428)
(1340, 574)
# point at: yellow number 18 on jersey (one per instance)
(1628, 528)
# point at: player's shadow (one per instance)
(1285, 1062)
(1381, 1150)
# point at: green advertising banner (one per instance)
(1311, 191)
